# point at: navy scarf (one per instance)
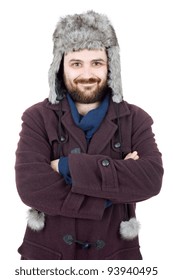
(92, 120)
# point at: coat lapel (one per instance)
(74, 131)
(108, 128)
(105, 132)
(102, 137)
(67, 121)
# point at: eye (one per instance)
(76, 64)
(97, 63)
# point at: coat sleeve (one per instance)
(38, 185)
(121, 181)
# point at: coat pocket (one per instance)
(32, 251)
(126, 254)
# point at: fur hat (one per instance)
(89, 30)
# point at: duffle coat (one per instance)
(75, 222)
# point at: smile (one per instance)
(87, 84)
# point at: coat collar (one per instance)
(112, 114)
(102, 136)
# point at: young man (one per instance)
(85, 156)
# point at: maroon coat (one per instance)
(77, 225)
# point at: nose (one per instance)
(87, 72)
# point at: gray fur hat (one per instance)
(88, 30)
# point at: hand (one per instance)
(133, 155)
(54, 165)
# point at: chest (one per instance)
(112, 138)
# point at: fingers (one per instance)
(54, 165)
(134, 155)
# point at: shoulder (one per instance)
(139, 117)
(38, 107)
(35, 115)
(41, 109)
(136, 111)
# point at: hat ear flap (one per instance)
(114, 79)
(55, 94)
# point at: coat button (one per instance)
(62, 138)
(68, 239)
(105, 162)
(117, 145)
(100, 244)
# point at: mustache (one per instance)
(87, 81)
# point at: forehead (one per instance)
(86, 55)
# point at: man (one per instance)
(85, 156)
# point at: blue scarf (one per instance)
(92, 120)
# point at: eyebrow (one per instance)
(75, 60)
(99, 59)
(79, 60)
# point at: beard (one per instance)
(86, 91)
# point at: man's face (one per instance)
(85, 75)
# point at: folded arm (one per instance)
(38, 185)
(121, 181)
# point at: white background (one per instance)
(144, 30)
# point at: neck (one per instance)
(83, 109)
